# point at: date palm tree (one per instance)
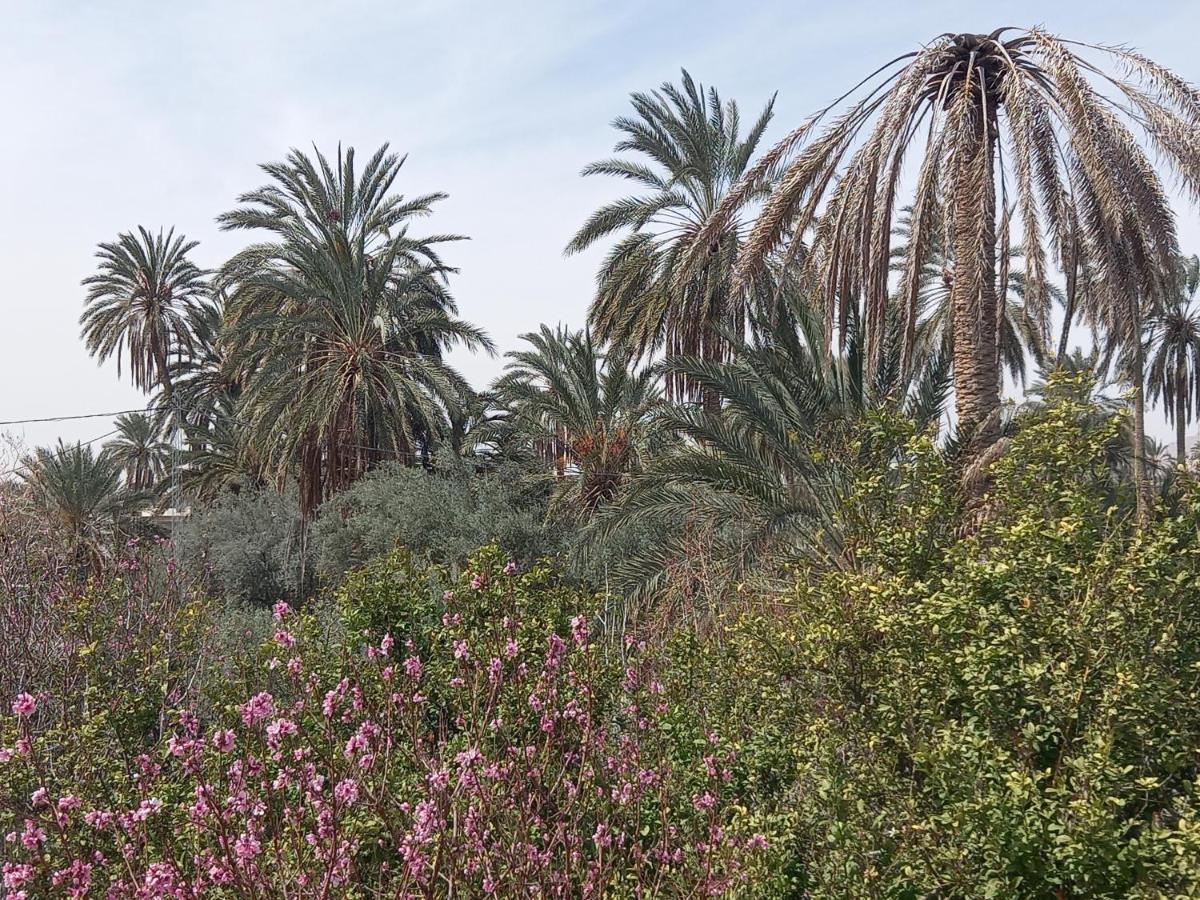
(687, 152)
(1173, 352)
(83, 492)
(337, 324)
(589, 414)
(138, 303)
(139, 450)
(1012, 129)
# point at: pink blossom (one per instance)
(223, 740)
(260, 706)
(281, 610)
(510, 568)
(24, 705)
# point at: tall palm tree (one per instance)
(1173, 351)
(589, 414)
(83, 491)
(1013, 127)
(137, 304)
(337, 324)
(139, 450)
(688, 153)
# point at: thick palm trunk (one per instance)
(973, 294)
(1068, 309)
(1141, 484)
(1180, 414)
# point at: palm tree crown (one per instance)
(137, 304)
(1016, 121)
(139, 450)
(1173, 354)
(691, 153)
(589, 413)
(338, 324)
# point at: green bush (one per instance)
(251, 546)
(1013, 711)
(441, 516)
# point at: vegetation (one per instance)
(715, 596)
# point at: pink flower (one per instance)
(285, 638)
(477, 582)
(461, 651)
(704, 801)
(223, 740)
(260, 706)
(24, 705)
(510, 568)
(412, 667)
(247, 847)
(281, 610)
(346, 792)
(386, 645)
(757, 842)
(40, 797)
(579, 630)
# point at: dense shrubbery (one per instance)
(996, 701)
(442, 516)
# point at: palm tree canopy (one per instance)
(137, 303)
(1173, 350)
(687, 153)
(82, 489)
(337, 325)
(1018, 116)
(139, 450)
(584, 411)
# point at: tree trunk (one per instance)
(973, 295)
(1068, 308)
(1180, 414)
(1141, 485)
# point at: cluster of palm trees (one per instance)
(752, 308)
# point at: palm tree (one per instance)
(1173, 349)
(1015, 126)
(771, 470)
(691, 155)
(139, 450)
(587, 414)
(138, 302)
(83, 491)
(337, 325)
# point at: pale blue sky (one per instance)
(124, 113)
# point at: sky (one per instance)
(118, 114)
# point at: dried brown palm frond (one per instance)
(1017, 130)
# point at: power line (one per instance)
(66, 448)
(99, 415)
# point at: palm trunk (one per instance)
(1068, 308)
(1141, 485)
(1180, 414)
(973, 295)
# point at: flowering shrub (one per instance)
(488, 751)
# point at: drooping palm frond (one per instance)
(689, 151)
(336, 327)
(1016, 129)
(137, 306)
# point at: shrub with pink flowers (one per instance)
(487, 738)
